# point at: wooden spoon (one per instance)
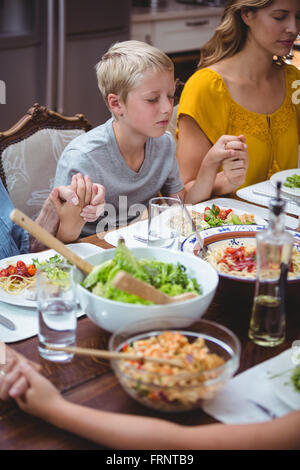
(130, 284)
(114, 355)
(41, 234)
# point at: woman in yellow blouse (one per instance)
(240, 89)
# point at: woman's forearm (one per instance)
(202, 187)
(221, 185)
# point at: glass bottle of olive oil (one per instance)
(274, 249)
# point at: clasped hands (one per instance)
(80, 202)
(231, 152)
(87, 196)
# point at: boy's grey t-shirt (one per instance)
(97, 154)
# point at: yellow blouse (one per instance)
(272, 140)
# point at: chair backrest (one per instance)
(29, 152)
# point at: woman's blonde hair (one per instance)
(123, 65)
(230, 36)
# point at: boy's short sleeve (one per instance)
(206, 99)
(71, 162)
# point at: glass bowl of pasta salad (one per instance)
(206, 356)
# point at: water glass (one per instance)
(165, 222)
(57, 317)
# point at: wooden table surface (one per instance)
(90, 381)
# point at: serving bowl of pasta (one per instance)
(232, 252)
(208, 353)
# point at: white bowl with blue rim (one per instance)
(234, 236)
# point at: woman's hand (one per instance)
(227, 147)
(235, 167)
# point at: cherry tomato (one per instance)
(31, 269)
(12, 270)
(222, 214)
(21, 264)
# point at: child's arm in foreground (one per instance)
(123, 431)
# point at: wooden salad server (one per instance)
(19, 218)
(130, 284)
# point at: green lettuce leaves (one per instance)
(167, 277)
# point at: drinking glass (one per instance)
(165, 222)
(57, 317)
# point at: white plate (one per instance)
(82, 249)
(140, 229)
(282, 176)
(284, 389)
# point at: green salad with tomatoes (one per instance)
(214, 217)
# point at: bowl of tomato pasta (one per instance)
(232, 252)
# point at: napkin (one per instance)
(267, 188)
(232, 405)
(138, 229)
(25, 318)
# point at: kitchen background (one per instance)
(49, 48)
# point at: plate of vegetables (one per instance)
(210, 216)
(290, 180)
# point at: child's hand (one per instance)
(71, 222)
(94, 209)
(13, 377)
(235, 168)
(40, 397)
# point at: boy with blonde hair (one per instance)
(132, 154)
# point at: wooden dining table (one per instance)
(90, 381)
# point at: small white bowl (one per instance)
(111, 315)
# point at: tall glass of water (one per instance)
(165, 222)
(57, 317)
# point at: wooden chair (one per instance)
(29, 152)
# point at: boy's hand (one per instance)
(71, 222)
(94, 209)
(40, 397)
(93, 202)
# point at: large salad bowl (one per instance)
(112, 315)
